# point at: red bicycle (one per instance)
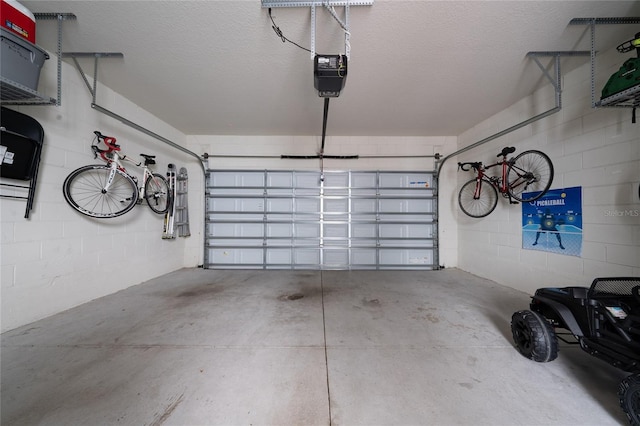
(524, 178)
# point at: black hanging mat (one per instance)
(18, 156)
(21, 145)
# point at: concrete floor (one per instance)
(203, 347)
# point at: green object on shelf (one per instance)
(625, 78)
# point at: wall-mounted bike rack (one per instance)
(635, 98)
(555, 82)
(123, 120)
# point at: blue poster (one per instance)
(553, 223)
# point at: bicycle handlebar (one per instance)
(109, 141)
(467, 166)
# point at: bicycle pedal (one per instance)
(513, 202)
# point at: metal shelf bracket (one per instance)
(555, 80)
(96, 56)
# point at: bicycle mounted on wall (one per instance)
(106, 191)
(524, 178)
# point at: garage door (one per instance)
(278, 219)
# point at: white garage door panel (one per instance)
(363, 206)
(239, 257)
(306, 205)
(280, 206)
(363, 257)
(277, 179)
(307, 230)
(336, 205)
(279, 257)
(306, 257)
(227, 230)
(296, 220)
(336, 257)
(280, 230)
(403, 257)
(406, 231)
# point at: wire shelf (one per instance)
(626, 98)
(12, 93)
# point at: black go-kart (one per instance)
(603, 319)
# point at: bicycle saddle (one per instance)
(506, 151)
(148, 159)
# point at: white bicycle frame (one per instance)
(116, 164)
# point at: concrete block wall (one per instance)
(596, 149)
(59, 258)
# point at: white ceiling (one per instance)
(417, 68)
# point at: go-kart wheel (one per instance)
(534, 336)
(629, 394)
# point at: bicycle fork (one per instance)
(479, 179)
(112, 174)
(476, 193)
(113, 170)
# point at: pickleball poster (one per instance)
(553, 223)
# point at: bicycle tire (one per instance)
(529, 172)
(157, 194)
(83, 190)
(481, 206)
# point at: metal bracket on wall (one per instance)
(96, 56)
(93, 89)
(629, 98)
(555, 80)
(17, 94)
(330, 6)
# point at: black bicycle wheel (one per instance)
(156, 192)
(478, 201)
(84, 191)
(531, 172)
